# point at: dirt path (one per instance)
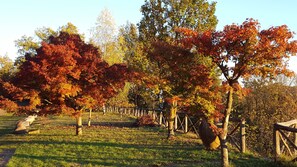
(5, 155)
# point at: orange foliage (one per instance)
(183, 78)
(244, 50)
(66, 75)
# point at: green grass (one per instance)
(110, 141)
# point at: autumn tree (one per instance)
(122, 98)
(240, 51)
(27, 45)
(161, 17)
(67, 76)
(104, 31)
(7, 71)
(270, 101)
(116, 49)
(135, 57)
(186, 78)
(104, 35)
(6, 68)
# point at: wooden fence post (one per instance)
(295, 139)
(166, 122)
(141, 112)
(276, 140)
(153, 115)
(186, 124)
(175, 122)
(90, 117)
(242, 134)
(160, 118)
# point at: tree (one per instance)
(121, 99)
(140, 93)
(161, 17)
(6, 68)
(184, 76)
(104, 30)
(269, 102)
(28, 45)
(67, 76)
(103, 35)
(241, 51)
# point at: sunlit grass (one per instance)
(110, 141)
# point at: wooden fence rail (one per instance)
(185, 123)
(237, 134)
(284, 142)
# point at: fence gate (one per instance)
(285, 139)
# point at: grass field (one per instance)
(110, 141)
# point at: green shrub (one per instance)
(267, 104)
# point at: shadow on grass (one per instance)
(107, 124)
(104, 157)
(204, 157)
(67, 159)
(5, 155)
(8, 124)
(249, 160)
(163, 147)
(132, 162)
(116, 124)
(169, 154)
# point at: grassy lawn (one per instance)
(110, 141)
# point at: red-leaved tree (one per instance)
(241, 51)
(65, 76)
(186, 77)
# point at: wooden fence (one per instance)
(184, 123)
(285, 139)
(237, 133)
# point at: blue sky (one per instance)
(23, 17)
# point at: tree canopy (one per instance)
(27, 45)
(182, 73)
(67, 75)
(161, 17)
(241, 51)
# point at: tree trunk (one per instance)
(171, 117)
(79, 125)
(223, 135)
(90, 117)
